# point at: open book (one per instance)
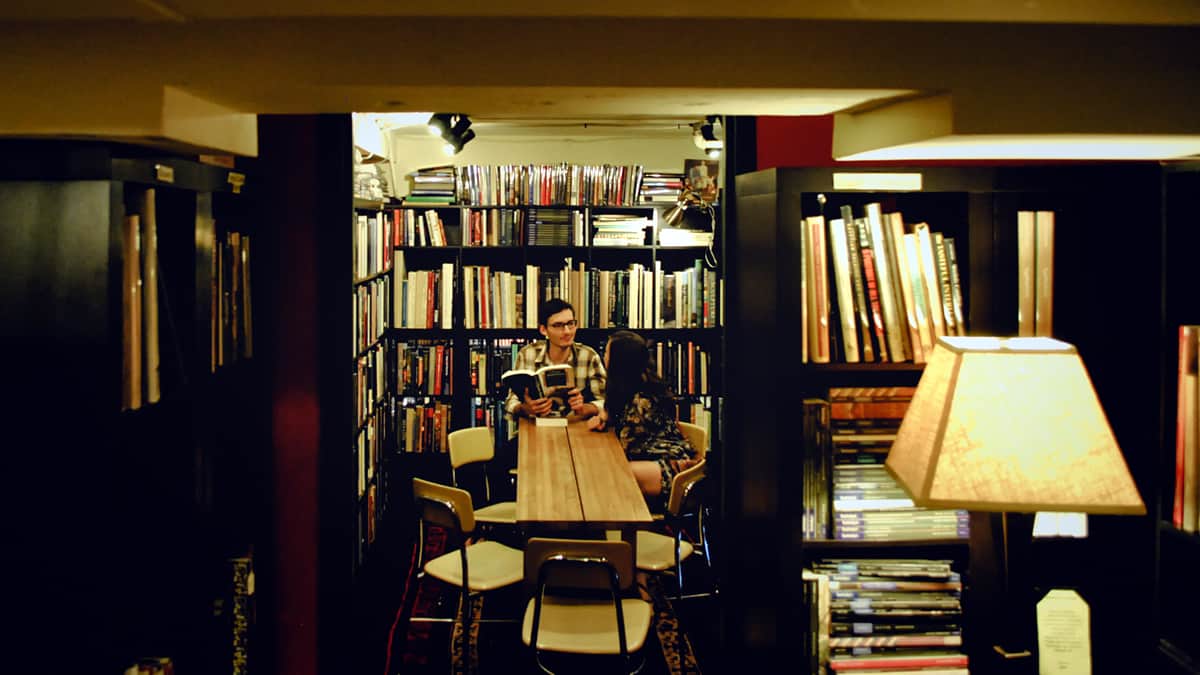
(552, 380)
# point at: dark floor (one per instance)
(426, 647)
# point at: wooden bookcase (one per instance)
(1106, 286)
(129, 517)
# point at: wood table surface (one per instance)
(573, 476)
(546, 487)
(607, 489)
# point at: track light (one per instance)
(439, 124)
(454, 145)
(453, 128)
(704, 135)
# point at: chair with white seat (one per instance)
(476, 446)
(582, 600)
(659, 552)
(485, 566)
(697, 437)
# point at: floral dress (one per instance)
(647, 430)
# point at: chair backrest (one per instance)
(684, 497)
(579, 563)
(470, 445)
(443, 505)
(697, 437)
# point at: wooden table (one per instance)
(570, 476)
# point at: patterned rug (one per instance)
(425, 647)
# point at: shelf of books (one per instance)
(373, 356)
(877, 284)
(475, 250)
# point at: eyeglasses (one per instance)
(562, 325)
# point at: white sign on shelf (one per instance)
(1064, 634)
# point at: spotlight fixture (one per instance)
(704, 135)
(439, 124)
(454, 145)
(453, 128)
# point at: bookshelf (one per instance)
(977, 206)
(1177, 550)
(145, 486)
(498, 276)
(444, 347)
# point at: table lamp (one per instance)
(1010, 425)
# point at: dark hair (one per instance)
(630, 371)
(551, 307)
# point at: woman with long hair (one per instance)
(641, 410)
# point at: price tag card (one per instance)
(1064, 634)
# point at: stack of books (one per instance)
(680, 236)
(431, 185)
(553, 227)
(868, 503)
(616, 229)
(660, 187)
(889, 616)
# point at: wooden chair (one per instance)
(476, 446)
(475, 568)
(570, 612)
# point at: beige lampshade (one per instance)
(1010, 425)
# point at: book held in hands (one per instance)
(552, 380)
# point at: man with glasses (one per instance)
(556, 321)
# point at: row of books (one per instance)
(422, 426)
(372, 245)
(1185, 513)
(848, 492)
(424, 368)
(638, 297)
(371, 301)
(875, 288)
(369, 442)
(885, 616)
(530, 225)
(422, 298)
(370, 381)
(549, 184)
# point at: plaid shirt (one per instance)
(590, 376)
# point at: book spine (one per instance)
(895, 224)
(1044, 285)
(886, 282)
(862, 308)
(845, 292)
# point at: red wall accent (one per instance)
(795, 141)
(808, 141)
